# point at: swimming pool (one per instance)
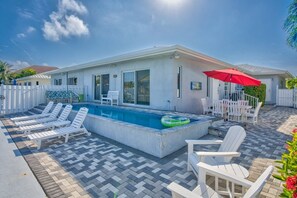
(141, 129)
(131, 116)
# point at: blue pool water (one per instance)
(136, 117)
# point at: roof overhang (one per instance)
(143, 54)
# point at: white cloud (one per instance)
(63, 24)
(18, 64)
(72, 5)
(21, 35)
(30, 29)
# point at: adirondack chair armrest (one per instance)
(194, 142)
(224, 175)
(217, 154)
(180, 191)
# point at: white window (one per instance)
(72, 81)
(58, 82)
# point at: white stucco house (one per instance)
(166, 78)
(37, 79)
(273, 78)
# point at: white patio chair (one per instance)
(60, 122)
(226, 152)
(205, 105)
(112, 96)
(203, 190)
(75, 128)
(234, 111)
(52, 117)
(254, 115)
(44, 113)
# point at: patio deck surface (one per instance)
(94, 166)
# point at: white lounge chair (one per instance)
(203, 190)
(52, 117)
(206, 105)
(75, 127)
(254, 115)
(62, 121)
(44, 113)
(112, 96)
(227, 150)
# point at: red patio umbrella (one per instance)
(233, 76)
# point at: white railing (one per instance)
(240, 95)
(18, 98)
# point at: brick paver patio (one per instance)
(97, 167)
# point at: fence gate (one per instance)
(284, 97)
(295, 97)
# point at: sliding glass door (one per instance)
(101, 86)
(136, 87)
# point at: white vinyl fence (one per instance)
(286, 97)
(18, 98)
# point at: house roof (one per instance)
(36, 76)
(258, 71)
(39, 69)
(174, 50)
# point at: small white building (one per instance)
(271, 77)
(37, 79)
(165, 78)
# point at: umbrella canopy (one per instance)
(233, 76)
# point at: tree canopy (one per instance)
(290, 84)
(290, 25)
(4, 71)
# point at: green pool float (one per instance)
(172, 121)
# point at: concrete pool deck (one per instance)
(16, 178)
(93, 166)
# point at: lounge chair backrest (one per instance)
(257, 109)
(65, 113)
(113, 95)
(56, 110)
(80, 117)
(48, 107)
(231, 142)
(256, 188)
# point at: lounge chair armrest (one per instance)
(214, 154)
(224, 175)
(180, 191)
(193, 142)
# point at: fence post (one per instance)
(277, 95)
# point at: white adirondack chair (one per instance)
(44, 113)
(112, 96)
(254, 115)
(205, 105)
(75, 127)
(234, 111)
(52, 117)
(62, 121)
(202, 190)
(226, 152)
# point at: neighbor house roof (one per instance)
(174, 50)
(258, 71)
(38, 69)
(36, 76)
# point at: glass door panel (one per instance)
(129, 87)
(143, 87)
(105, 84)
(97, 86)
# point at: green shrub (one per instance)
(288, 168)
(290, 84)
(259, 92)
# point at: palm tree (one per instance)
(4, 71)
(290, 25)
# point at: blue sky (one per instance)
(67, 32)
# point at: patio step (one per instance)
(220, 128)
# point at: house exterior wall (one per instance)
(163, 81)
(33, 81)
